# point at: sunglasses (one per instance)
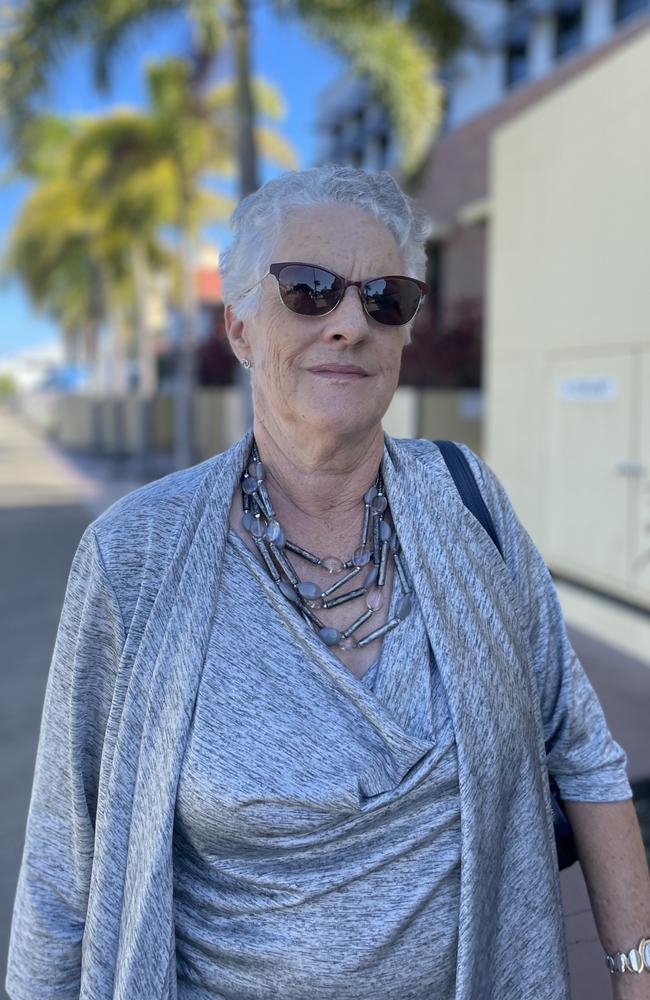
(310, 290)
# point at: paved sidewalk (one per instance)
(46, 501)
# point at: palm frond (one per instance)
(400, 68)
(275, 148)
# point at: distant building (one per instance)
(520, 52)
(353, 127)
(215, 362)
(537, 186)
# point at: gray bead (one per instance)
(258, 527)
(259, 471)
(620, 961)
(330, 636)
(371, 577)
(310, 591)
(288, 591)
(249, 485)
(385, 532)
(370, 495)
(361, 557)
(379, 504)
(275, 533)
(247, 521)
(403, 608)
(394, 542)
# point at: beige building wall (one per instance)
(567, 358)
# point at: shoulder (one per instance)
(495, 496)
(427, 451)
(137, 535)
(159, 505)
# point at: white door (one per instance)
(590, 447)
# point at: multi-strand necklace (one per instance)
(367, 566)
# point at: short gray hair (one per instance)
(258, 217)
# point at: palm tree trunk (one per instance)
(119, 376)
(247, 150)
(147, 375)
(185, 369)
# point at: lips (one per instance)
(334, 369)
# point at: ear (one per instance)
(236, 332)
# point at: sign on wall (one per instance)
(587, 387)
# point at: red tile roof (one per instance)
(208, 284)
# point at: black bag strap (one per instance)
(467, 487)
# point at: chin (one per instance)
(334, 422)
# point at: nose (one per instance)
(348, 323)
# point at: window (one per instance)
(518, 26)
(515, 63)
(568, 28)
(433, 273)
(626, 8)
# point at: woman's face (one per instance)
(285, 348)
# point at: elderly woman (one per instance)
(301, 713)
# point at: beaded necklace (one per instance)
(378, 543)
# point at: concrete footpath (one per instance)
(46, 501)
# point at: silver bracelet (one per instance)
(635, 960)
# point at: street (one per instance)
(46, 501)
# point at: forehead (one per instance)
(345, 238)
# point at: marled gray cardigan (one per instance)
(93, 916)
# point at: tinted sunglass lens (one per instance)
(392, 301)
(310, 291)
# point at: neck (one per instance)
(322, 478)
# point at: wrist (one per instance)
(630, 963)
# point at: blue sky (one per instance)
(283, 53)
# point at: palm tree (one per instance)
(394, 44)
(126, 174)
(51, 251)
(74, 266)
(196, 135)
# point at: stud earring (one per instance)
(246, 363)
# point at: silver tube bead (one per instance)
(378, 632)
(342, 581)
(381, 579)
(315, 620)
(366, 522)
(270, 565)
(403, 579)
(284, 564)
(309, 556)
(266, 500)
(258, 505)
(357, 624)
(376, 521)
(344, 598)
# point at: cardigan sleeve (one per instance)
(585, 760)
(54, 879)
